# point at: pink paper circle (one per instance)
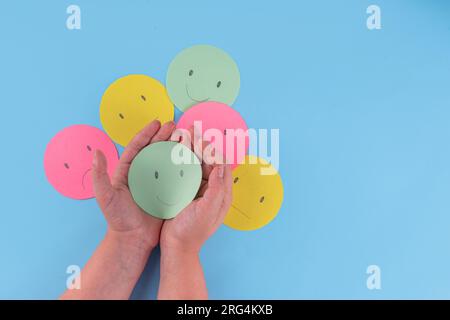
(216, 115)
(68, 159)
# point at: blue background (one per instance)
(364, 127)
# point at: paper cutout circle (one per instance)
(130, 103)
(230, 128)
(202, 73)
(257, 195)
(68, 159)
(159, 183)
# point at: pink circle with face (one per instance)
(68, 159)
(216, 119)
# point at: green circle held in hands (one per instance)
(164, 178)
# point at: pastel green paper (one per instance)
(202, 73)
(159, 183)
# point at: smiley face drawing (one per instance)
(257, 195)
(160, 183)
(130, 103)
(68, 159)
(219, 121)
(202, 73)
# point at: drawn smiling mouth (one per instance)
(190, 97)
(240, 211)
(165, 202)
(84, 176)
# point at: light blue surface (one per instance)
(364, 119)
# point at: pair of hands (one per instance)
(127, 221)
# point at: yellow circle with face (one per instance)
(130, 103)
(257, 195)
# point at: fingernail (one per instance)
(169, 124)
(221, 169)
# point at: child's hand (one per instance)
(200, 219)
(125, 218)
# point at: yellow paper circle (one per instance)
(130, 103)
(257, 195)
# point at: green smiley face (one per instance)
(159, 183)
(202, 73)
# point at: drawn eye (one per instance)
(219, 84)
(143, 98)
(236, 180)
(89, 148)
(66, 165)
(121, 116)
(181, 173)
(261, 200)
(191, 72)
(156, 174)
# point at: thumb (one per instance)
(103, 189)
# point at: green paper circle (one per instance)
(202, 73)
(160, 183)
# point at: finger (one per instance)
(206, 170)
(227, 198)
(164, 132)
(141, 140)
(103, 189)
(180, 135)
(226, 201)
(196, 144)
(228, 192)
(185, 137)
(204, 150)
(193, 140)
(213, 196)
(212, 156)
(202, 189)
(188, 137)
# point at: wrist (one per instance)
(129, 242)
(177, 250)
(181, 274)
